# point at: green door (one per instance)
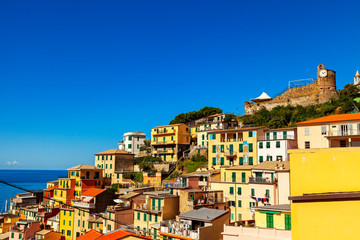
(287, 222)
(269, 220)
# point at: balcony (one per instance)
(163, 131)
(178, 185)
(231, 140)
(162, 142)
(230, 153)
(162, 151)
(261, 180)
(344, 133)
(180, 229)
(84, 205)
(269, 138)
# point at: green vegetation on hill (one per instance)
(281, 116)
(190, 116)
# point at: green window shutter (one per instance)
(250, 134)
(150, 217)
(214, 148)
(231, 190)
(214, 136)
(156, 218)
(243, 177)
(253, 192)
(261, 144)
(232, 216)
(144, 217)
(110, 166)
(267, 194)
(138, 216)
(241, 147)
(233, 176)
(130, 138)
(78, 223)
(275, 135)
(277, 144)
(269, 220)
(214, 161)
(221, 148)
(285, 135)
(192, 197)
(239, 203)
(129, 145)
(159, 204)
(222, 161)
(241, 160)
(261, 159)
(250, 160)
(287, 222)
(250, 147)
(267, 136)
(267, 144)
(239, 191)
(172, 138)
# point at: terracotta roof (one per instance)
(83, 167)
(119, 234)
(93, 192)
(90, 235)
(43, 232)
(114, 151)
(237, 130)
(52, 236)
(331, 118)
(129, 195)
(273, 165)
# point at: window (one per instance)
(156, 218)
(251, 204)
(214, 148)
(277, 144)
(68, 233)
(342, 143)
(214, 161)
(231, 203)
(267, 144)
(150, 217)
(222, 161)
(250, 147)
(239, 191)
(241, 160)
(12, 235)
(239, 203)
(221, 148)
(232, 216)
(233, 176)
(243, 178)
(69, 223)
(138, 146)
(269, 220)
(138, 216)
(306, 129)
(231, 191)
(267, 136)
(240, 147)
(144, 217)
(239, 217)
(307, 144)
(110, 166)
(274, 135)
(250, 134)
(268, 158)
(285, 134)
(267, 194)
(253, 192)
(130, 138)
(287, 222)
(261, 159)
(224, 176)
(251, 161)
(261, 144)
(129, 145)
(78, 223)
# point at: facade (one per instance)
(24, 229)
(342, 130)
(114, 162)
(234, 146)
(132, 142)
(66, 224)
(202, 224)
(274, 216)
(251, 233)
(158, 206)
(7, 220)
(54, 222)
(170, 141)
(274, 145)
(325, 193)
(152, 179)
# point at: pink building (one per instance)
(24, 230)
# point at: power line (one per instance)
(124, 226)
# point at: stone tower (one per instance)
(357, 78)
(325, 84)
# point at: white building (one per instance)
(357, 78)
(132, 142)
(274, 145)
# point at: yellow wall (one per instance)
(324, 170)
(325, 220)
(316, 139)
(66, 223)
(279, 220)
(220, 141)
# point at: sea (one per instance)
(27, 179)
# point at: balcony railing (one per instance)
(349, 132)
(261, 180)
(84, 205)
(163, 131)
(230, 153)
(231, 140)
(178, 185)
(163, 142)
(268, 138)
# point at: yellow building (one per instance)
(234, 183)
(170, 141)
(159, 206)
(273, 216)
(234, 146)
(66, 223)
(114, 162)
(342, 130)
(325, 198)
(152, 179)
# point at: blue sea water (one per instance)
(27, 179)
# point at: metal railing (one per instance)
(349, 132)
(230, 153)
(261, 180)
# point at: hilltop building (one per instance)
(132, 142)
(357, 78)
(305, 94)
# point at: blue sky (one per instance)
(76, 75)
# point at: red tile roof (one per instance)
(93, 192)
(118, 234)
(90, 235)
(331, 118)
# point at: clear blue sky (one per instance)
(76, 75)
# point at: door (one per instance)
(270, 220)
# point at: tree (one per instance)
(190, 116)
(146, 145)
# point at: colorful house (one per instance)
(274, 216)
(66, 225)
(342, 130)
(24, 229)
(170, 141)
(325, 198)
(7, 220)
(234, 146)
